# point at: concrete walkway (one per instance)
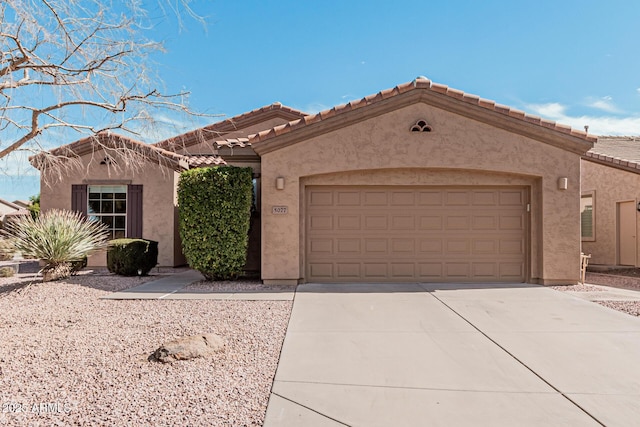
(173, 287)
(454, 355)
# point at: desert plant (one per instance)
(6, 272)
(215, 212)
(58, 238)
(7, 249)
(132, 257)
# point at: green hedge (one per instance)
(132, 257)
(215, 212)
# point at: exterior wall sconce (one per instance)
(280, 183)
(563, 183)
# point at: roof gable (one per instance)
(622, 152)
(217, 130)
(439, 96)
(106, 141)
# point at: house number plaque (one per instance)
(279, 210)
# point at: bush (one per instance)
(7, 249)
(215, 212)
(58, 238)
(6, 272)
(132, 257)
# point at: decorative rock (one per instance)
(188, 347)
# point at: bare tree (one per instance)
(79, 65)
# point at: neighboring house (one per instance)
(10, 209)
(609, 202)
(22, 203)
(416, 183)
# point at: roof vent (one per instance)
(421, 126)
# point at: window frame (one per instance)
(98, 215)
(592, 195)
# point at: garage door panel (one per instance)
(400, 245)
(456, 198)
(430, 246)
(321, 271)
(321, 246)
(430, 198)
(430, 271)
(375, 270)
(457, 222)
(403, 222)
(376, 222)
(320, 198)
(404, 270)
(431, 222)
(349, 247)
(415, 234)
(458, 246)
(375, 198)
(348, 198)
(321, 222)
(348, 222)
(348, 270)
(375, 246)
(486, 270)
(484, 198)
(485, 246)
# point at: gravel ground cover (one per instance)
(69, 358)
(614, 281)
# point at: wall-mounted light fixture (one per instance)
(280, 183)
(563, 183)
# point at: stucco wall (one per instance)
(382, 150)
(611, 185)
(158, 200)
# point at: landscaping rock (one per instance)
(188, 347)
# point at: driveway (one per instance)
(454, 354)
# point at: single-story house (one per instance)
(609, 202)
(10, 209)
(420, 182)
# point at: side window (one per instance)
(108, 204)
(587, 217)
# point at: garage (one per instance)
(410, 233)
(420, 183)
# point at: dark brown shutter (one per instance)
(134, 211)
(79, 198)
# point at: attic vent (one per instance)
(107, 161)
(421, 126)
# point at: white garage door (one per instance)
(426, 234)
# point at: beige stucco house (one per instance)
(609, 202)
(416, 183)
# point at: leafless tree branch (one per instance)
(61, 60)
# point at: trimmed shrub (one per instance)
(58, 238)
(215, 212)
(132, 257)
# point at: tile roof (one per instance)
(109, 140)
(421, 83)
(216, 130)
(618, 151)
(198, 161)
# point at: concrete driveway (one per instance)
(455, 355)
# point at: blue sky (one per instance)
(575, 62)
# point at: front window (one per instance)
(108, 204)
(587, 217)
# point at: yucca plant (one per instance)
(59, 238)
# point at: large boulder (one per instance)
(189, 347)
